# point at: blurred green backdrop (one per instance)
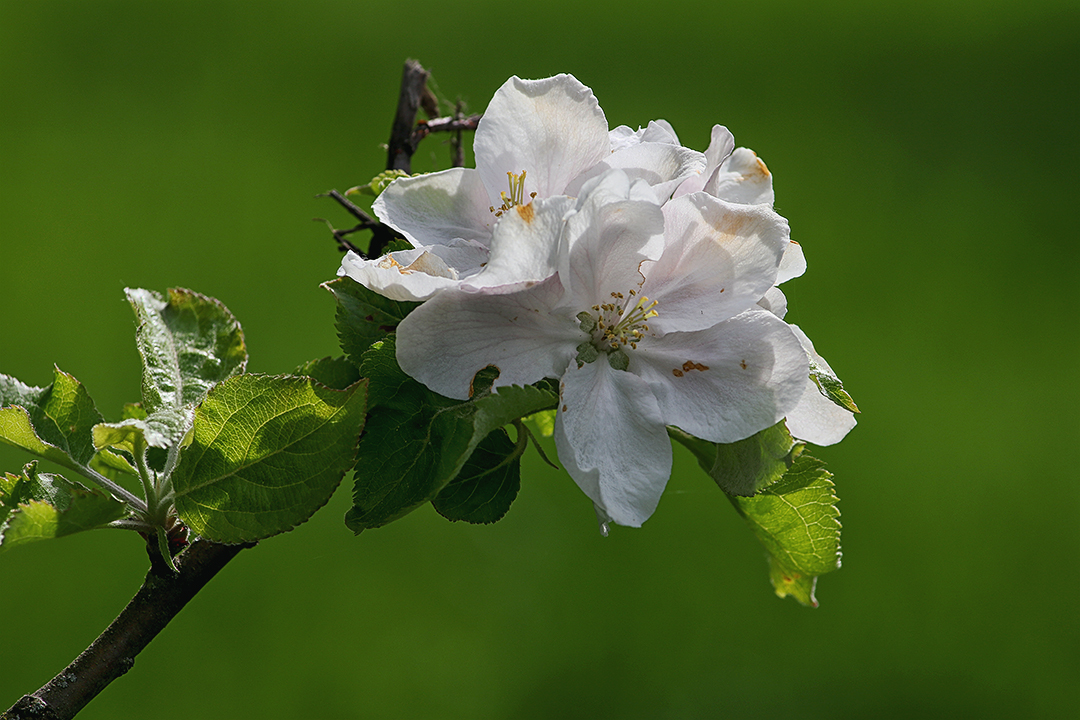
(926, 155)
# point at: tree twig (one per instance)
(160, 598)
(381, 234)
(400, 149)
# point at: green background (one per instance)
(926, 156)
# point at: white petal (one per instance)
(465, 257)
(793, 264)
(437, 208)
(662, 165)
(742, 178)
(727, 382)
(553, 129)
(612, 440)
(405, 275)
(657, 131)
(719, 260)
(607, 239)
(775, 302)
(721, 143)
(455, 334)
(817, 419)
(525, 246)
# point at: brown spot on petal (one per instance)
(700, 368)
(762, 167)
(677, 372)
(526, 212)
(742, 364)
(564, 408)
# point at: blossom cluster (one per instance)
(640, 274)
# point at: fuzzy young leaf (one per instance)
(42, 506)
(266, 453)
(747, 466)
(797, 521)
(53, 422)
(487, 484)
(189, 343)
(417, 441)
(363, 316)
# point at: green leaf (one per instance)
(364, 316)
(338, 373)
(830, 385)
(131, 436)
(487, 484)
(797, 521)
(53, 422)
(188, 344)
(417, 441)
(747, 466)
(543, 422)
(266, 453)
(38, 506)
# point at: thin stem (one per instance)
(148, 484)
(160, 598)
(126, 495)
(133, 524)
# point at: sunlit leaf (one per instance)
(40, 506)
(266, 453)
(53, 422)
(188, 343)
(747, 466)
(797, 521)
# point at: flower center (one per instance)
(613, 327)
(516, 195)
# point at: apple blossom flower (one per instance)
(740, 176)
(538, 139)
(651, 319)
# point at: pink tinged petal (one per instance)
(721, 143)
(607, 239)
(438, 208)
(525, 247)
(793, 264)
(663, 166)
(775, 302)
(742, 178)
(452, 336)
(720, 259)
(727, 382)
(612, 440)
(406, 275)
(553, 129)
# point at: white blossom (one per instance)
(650, 320)
(537, 140)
